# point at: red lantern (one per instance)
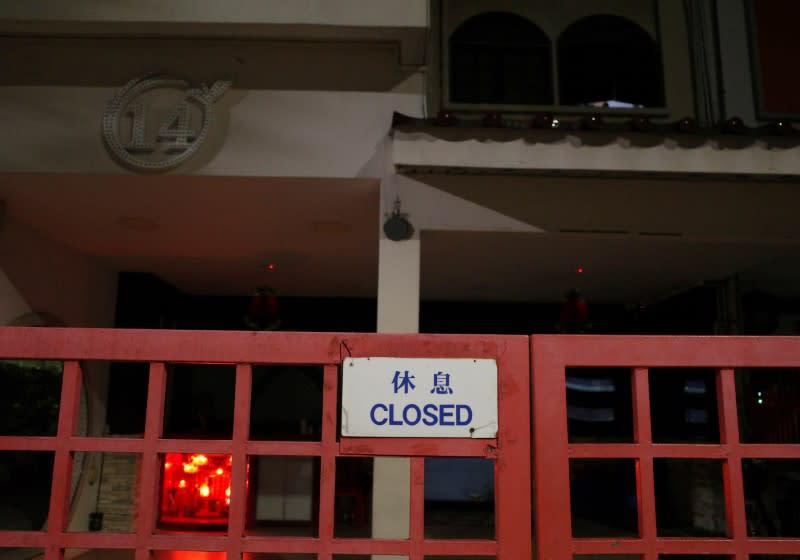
(492, 120)
(446, 118)
(733, 125)
(592, 122)
(574, 314)
(262, 311)
(641, 124)
(542, 121)
(687, 125)
(779, 128)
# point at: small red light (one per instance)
(579, 270)
(270, 266)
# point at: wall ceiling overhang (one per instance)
(214, 235)
(211, 235)
(651, 208)
(285, 57)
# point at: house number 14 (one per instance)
(175, 140)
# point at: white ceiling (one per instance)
(213, 235)
(615, 268)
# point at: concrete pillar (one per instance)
(398, 312)
(398, 286)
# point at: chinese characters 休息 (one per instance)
(403, 381)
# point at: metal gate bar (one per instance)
(550, 356)
(510, 450)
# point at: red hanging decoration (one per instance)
(686, 125)
(492, 120)
(446, 118)
(574, 313)
(262, 311)
(542, 121)
(641, 124)
(592, 122)
(780, 128)
(733, 125)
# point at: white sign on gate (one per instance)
(419, 397)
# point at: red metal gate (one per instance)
(510, 451)
(553, 452)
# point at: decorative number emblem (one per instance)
(154, 130)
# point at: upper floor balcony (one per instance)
(650, 87)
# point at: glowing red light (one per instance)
(270, 266)
(579, 270)
(198, 493)
(199, 459)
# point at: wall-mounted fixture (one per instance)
(397, 227)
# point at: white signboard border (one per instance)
(419, 397)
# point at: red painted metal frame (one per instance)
(550, 355)
(510, 450)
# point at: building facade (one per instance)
(465, 153)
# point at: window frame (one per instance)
(440, 41)
(759, 101)
(447, 62)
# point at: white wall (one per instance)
(12, 305)
(256, 133)
(38, 274)
(52, 278)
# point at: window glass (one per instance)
(609, 61)
(500, 58)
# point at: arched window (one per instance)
(603, 58)
(500, 58)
